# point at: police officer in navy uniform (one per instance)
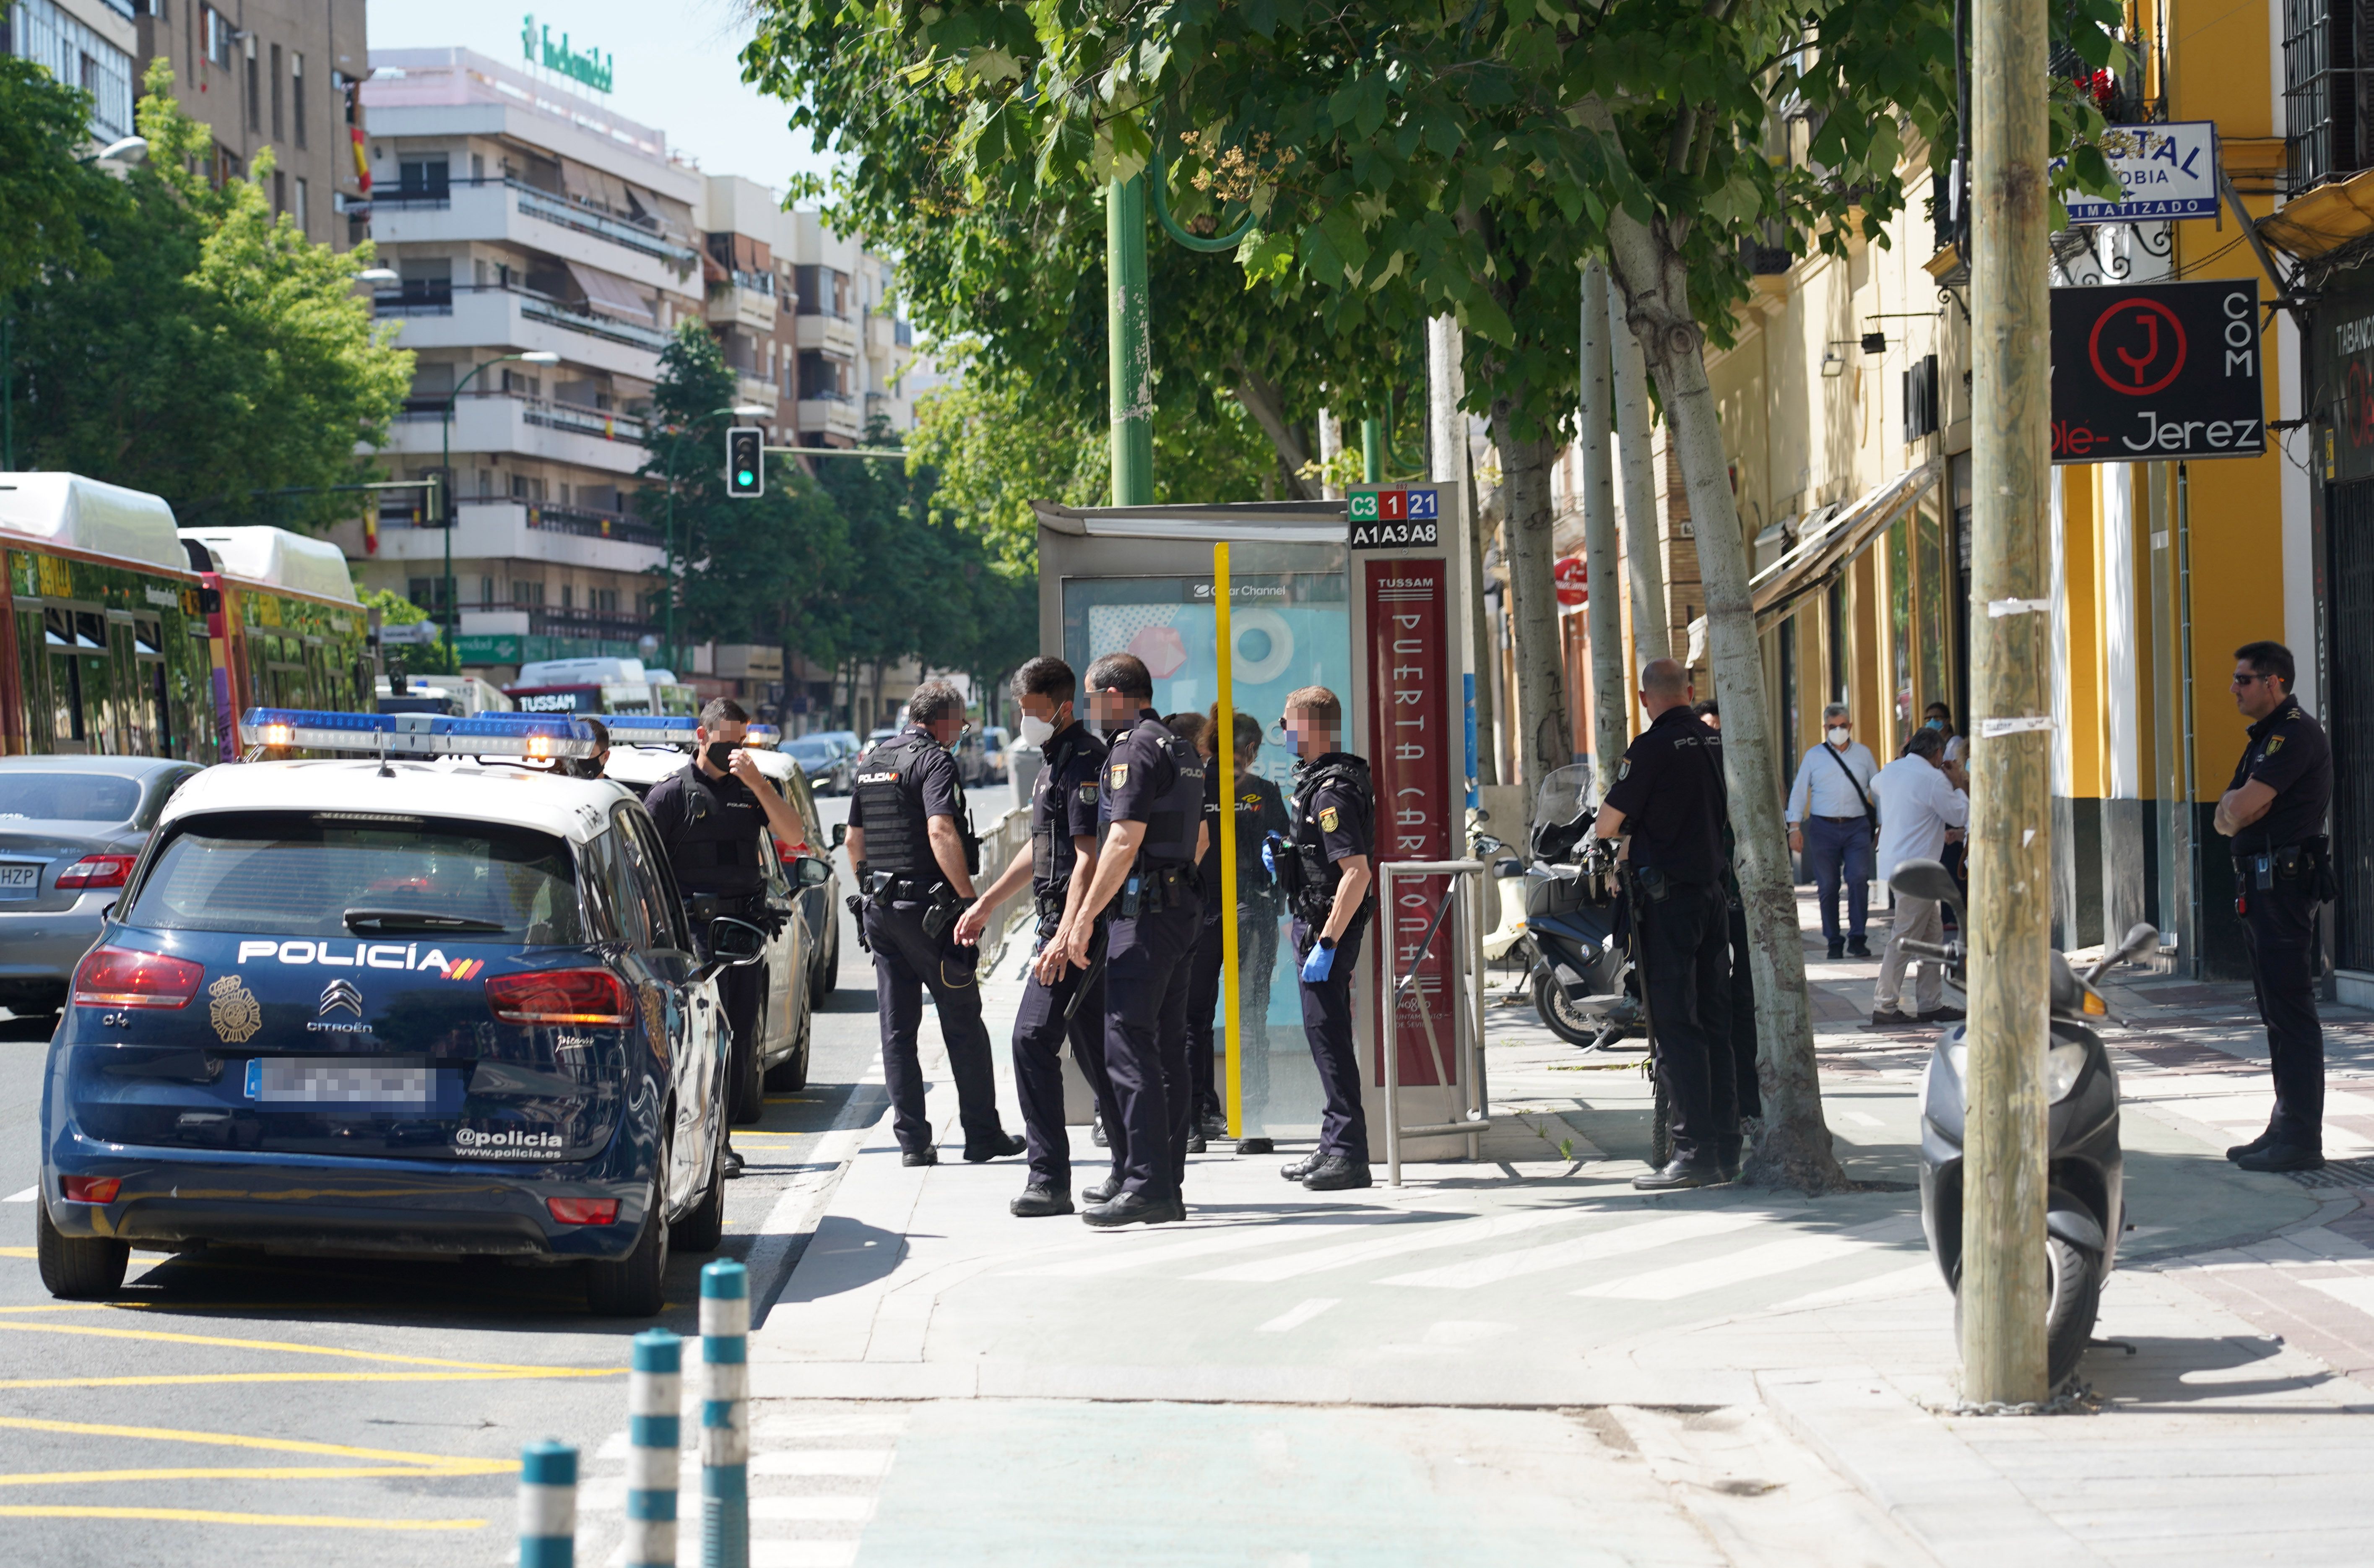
(1059, 1002)
(1669, 799)
(1325, 871)
(1152, 805)
(2273, 812)
(710, 817)
(910, 844)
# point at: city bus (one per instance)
(597, 686)
(284, 627)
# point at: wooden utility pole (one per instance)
(1643, 557)
(1610, 699)
(2004, 1281)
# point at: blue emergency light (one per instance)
(675, 730)
(538, 736)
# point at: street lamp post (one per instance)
(445, 464)
(676, 444)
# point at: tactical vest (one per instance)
(716, 851)
(1170, 825)
(898, 839)
(1310, 886)
(1053, 855)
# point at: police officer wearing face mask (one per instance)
(710, 817)
(1152, 805)
(591, 766)
(1326, 873)
(1059, 1002)
(911, 844)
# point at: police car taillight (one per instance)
(91, 1189)
(584, 1211)
(97, 871)
(560, 996)
(126, 977)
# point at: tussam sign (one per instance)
(2156, 372)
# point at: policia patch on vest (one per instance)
(1120, 775)
(1088, 791)
(1328, 819)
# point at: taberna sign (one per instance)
(2167, 171)
(2157, 373)
(2341, 371)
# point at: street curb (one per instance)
(804, 1201)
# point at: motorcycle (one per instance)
(1558, 915)
(2084, 1208)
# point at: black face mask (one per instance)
(720, 754)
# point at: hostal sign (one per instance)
(2156, 372)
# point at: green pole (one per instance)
(1130, 355)
(1372, 451)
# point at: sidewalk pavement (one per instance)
(1525, 1356)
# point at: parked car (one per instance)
(70, 829)
(995, 743)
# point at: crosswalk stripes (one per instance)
(1596, 1248)
(1415, 1236)
(1756, 1263)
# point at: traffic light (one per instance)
(745, 467)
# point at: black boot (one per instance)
(1133, 1209)
(1102, 1191)
(1685, 1171)
(996, 1147)
(2256, 1143)
(1726, 1157)
(1336, 1173)
(1039, 1200)
(1294, 1171)
(731, 1161)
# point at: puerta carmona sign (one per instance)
(2157, 373)
(594, 68)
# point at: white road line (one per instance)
(1756, 1263)
(1859, 1119)
(1592, 1248)
(864, 1462)
(28, 1196)
(1117, 1254)
(803, 1553)
(833, 1509)
(1402, 1238)
(1298, 1316)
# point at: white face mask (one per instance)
(1036, 731)
(1840, 735)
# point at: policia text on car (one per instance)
(1059, 1002)
(911, 844)
(2273, 811)
(710, 817)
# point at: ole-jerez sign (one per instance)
(2157, 373)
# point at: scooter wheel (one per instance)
(2074, 1280)
(1550, 1002)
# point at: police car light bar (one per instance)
(650, 729)
(538, 736)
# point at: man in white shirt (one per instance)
(1830, 823)
(1922, 799)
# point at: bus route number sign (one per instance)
(1395, 519)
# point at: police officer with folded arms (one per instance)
(2273, 812)
(1326, 873)
(911, 844)
(1668, 799)
(1059, 1002)
(1152, 808)
(710, 817)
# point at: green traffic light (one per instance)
(744, 477)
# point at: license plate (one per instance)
(19, 880)
(335, 1081)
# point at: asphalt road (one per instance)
(272, 1409)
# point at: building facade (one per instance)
(89, 44)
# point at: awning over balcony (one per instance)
(2324, 219)
(613, 296)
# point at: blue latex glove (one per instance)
(1315, 967)
(1269, 855)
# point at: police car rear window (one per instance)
(298, 873)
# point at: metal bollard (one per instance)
(654, 1444)
(725, 1416)
(548, 1505)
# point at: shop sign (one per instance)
(2342, 368)
(1410, 742)
(2167, 171)
(2157, 373)
(594, 68)
(1395, 519)
(488, 648)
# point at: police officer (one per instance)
(710, 817)
(1152, 806)
(1058, 1001)
(1668, 797)
(910, 844)
(1326, 875)
(2274, 813)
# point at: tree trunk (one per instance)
(1330, 445)
(1262, 400)
(1610, 730)
(1793, 1148)
(1547, 743)
(1651, 615)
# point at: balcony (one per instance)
(750, 389)
(497, 209)
(828, 333)
(747, 301)
(497, 422)
(506, 316)
(835, 415)
(516, 530)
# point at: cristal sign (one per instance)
(594, 68)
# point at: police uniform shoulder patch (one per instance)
(1088, 790)
(2275, 744)
(1328, 818)
(1623, 769)
(1120, 775)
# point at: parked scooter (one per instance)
(1558, 914)
(2084, 1209)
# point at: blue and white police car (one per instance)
(395, 1002)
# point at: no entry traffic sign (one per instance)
(2156, 372)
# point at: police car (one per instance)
(395, 1003)
(804, 955)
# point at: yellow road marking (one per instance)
(283, 1345)
(211, 1516)
(168, 1379)
(292, 1472)
(18, 1251)
(234, 1440)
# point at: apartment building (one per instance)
(88, 44)
(274, 74)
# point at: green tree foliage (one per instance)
(197, 345)
(43, 188)
(394, 609)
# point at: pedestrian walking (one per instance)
(710, 817)
(1326, 872)
(1923, 802)
(2273, 812)
(1060, 1002)
(1151, 806)
(911, 845)
(1832, 824)
(1668, 800)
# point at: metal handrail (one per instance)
(1470, 1020)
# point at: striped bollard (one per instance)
(548, 1505)
(725, 1416)
(655, 1446)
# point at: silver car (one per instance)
(70, 828)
